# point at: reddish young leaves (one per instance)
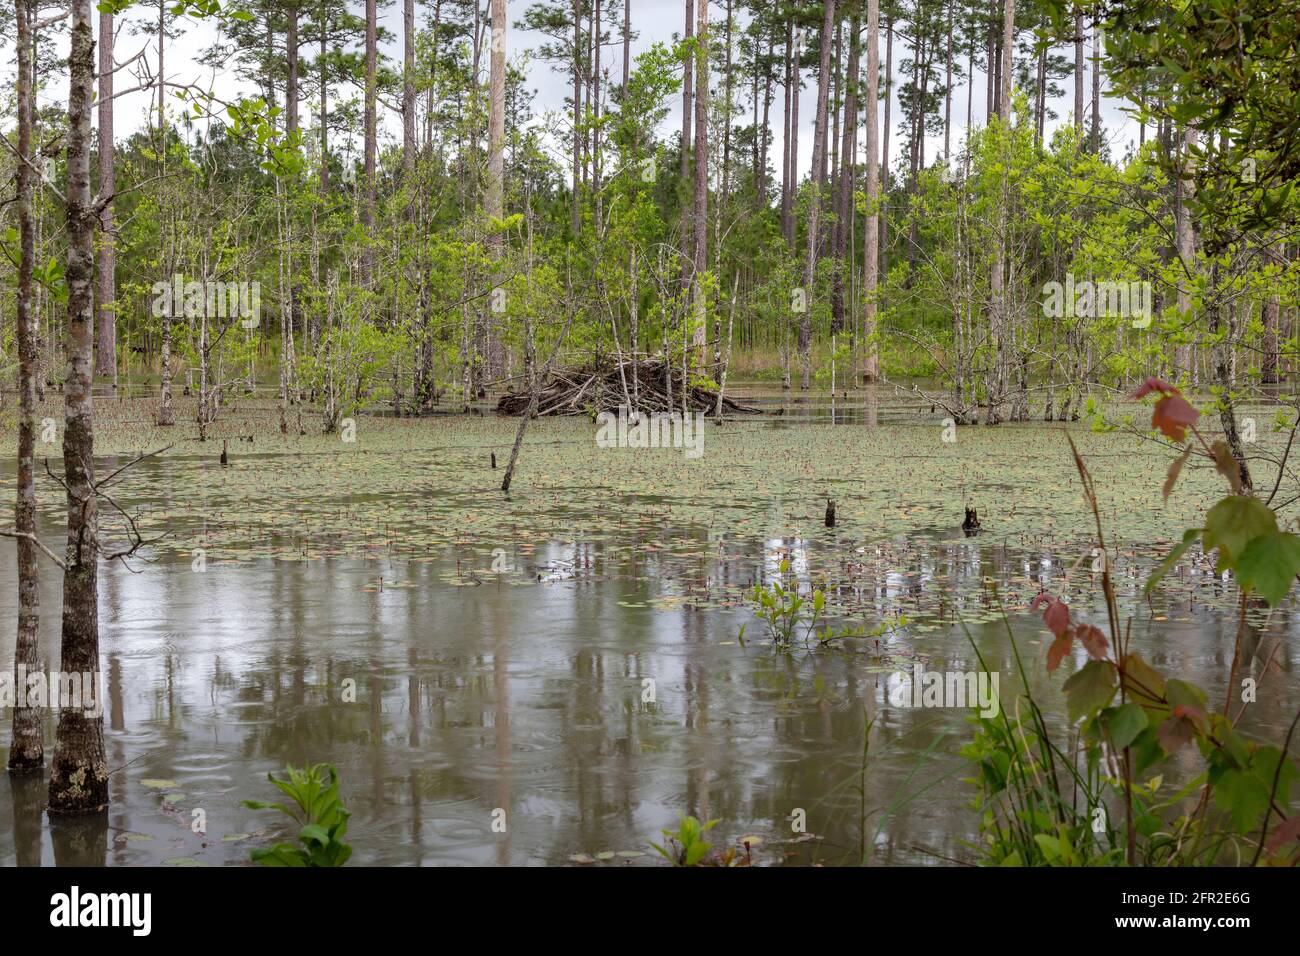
(1057, 615)
(1172, 414)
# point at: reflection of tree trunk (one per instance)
(28, 794)
(79, 773)
(501, 724)
(28, 748)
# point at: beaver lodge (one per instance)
(603, 384)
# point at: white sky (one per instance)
(654, 20)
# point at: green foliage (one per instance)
(321, 817)
(687, 846)
(1028, 819)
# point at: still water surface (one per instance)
(441, 699)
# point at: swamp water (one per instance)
(380, 605)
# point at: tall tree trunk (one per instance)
(79, 773)
(495, 198)
(1270, 316)
(884, 148)
(815, 198)
(627, 43)
(947, 90)
(324, 103)
(1185, 246)
(1096, 89)
(575, 210)
(371, 133)
(1040, 96)
(1078, 71)
(291, 89)
(871, 239)
(27, 751)
(166, 414)
(998, 299)
(763, 135)
(844, 199)
(106, 353)
(408, 86)
(701, 160)
(787, 175)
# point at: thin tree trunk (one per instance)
(1000, 319)
(787, 178)
(27, 751)
(1096, 89)
(408, 87)
(371, 133)
(1185, 243)
(884, 148)
(871, 240)
(106, 353)
(815, 200)
(1078, 72)
(701, 160)
(575, 210)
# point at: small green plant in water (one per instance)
(782, 609)
(319, 813)
(687, 846)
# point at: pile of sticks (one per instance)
(603, 384)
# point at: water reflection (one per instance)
(442, 704)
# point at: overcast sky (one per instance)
(652, 20)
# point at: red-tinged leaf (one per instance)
(1174, 470)
(1093, 641)
(1172, 415)
(1175, 732)
(1288, 831)
(1155, 385)
(1057, 651)
(1057, 617)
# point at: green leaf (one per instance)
(1124, 723)
(314, 833)
(1090, 688)
(1269, 564)
(1233, 523)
